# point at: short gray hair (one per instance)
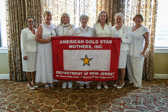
(82, 16)
(119, 14)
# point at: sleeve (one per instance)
(54, 26)
(145, 30)
(94, 30)
(73, 29)
(23, 42)
(127, 39)
(74, 32)
(73, 26)
(110, 29)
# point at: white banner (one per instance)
(87, 60)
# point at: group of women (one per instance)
(37, 50)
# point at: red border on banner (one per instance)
(58, 68)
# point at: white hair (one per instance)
(82, 16)
(119, 14)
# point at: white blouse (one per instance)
(137, 44)
(28, 41)
(80, 31)
(99, 32)
(124, 34)
(65, 30)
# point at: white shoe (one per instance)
(115, 85)
(119, 87)
(51, 85)
(106, 87)
(99, 85)
(69, 84)
(47, 86)
(87, 86)
(30, 87)
(64, 85)
(34, 85)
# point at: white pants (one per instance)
(135, 69)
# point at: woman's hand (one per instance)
(143, 54)
(49, 39)
(25, 58)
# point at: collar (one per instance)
(65, 25)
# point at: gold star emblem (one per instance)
(86, 60)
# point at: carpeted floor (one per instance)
(16, 97)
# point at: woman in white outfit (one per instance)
(44, 54)
(102, 28)
(122, 31)
(86, 31)
(65, 29)
(29, 52)
(137, 51)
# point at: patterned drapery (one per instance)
(148, 8)
(17, 12)
(74, 8)
(111, 7)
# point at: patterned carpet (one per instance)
(16, 97)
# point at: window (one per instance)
(3, 35)
(161, 36)
(0, 34)
(75, 8)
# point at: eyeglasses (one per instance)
(30, 21)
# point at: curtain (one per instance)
(148, 8)
(17, 12)
(111, 7)
(74, 8)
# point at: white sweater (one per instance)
(65, 31)
(28, 41)
(124, 34)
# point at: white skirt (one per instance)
(122, 59)
(29, 65)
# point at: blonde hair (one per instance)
(65, 14)
(46, 13)
(98, 20)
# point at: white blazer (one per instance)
(99, 32)
(124, 34)
(87, 32)
(59, 29)
(28, 41)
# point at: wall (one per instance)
(161, 63)
(4, 69)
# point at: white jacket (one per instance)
(28, 41)
(87, 32)
(125, 37)
(59, 29)
(99, 32)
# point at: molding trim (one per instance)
(4, 76)
(3, 50)
(164, 50)
(160, 76)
